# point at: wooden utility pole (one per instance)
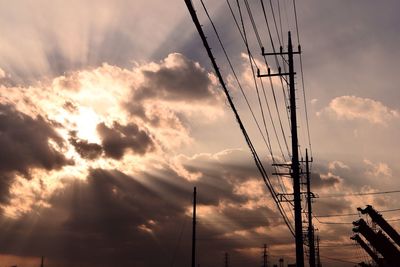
(310, 231)
(194, 229)
(265, 256)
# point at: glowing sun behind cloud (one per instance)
(108, 118)
(86, 122)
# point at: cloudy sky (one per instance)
(110, 114)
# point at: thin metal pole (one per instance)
(194, 230)
(295, 162)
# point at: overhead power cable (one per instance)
(236, 114)
(302, 80)
(254, 77)
(266, 140)
(353, 214)
(359, 194)
(262, 86)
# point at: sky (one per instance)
(110, 114)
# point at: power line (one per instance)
(270, 79)
(359, 194)
(352, 214)
(280, 180)
(339, 260)
(262, 84)
(236, 114)
(266, 141)
(248, 50)
(302, 79)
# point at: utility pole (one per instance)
(295, 165)
(295, 161)
(310, 196)
(318, 255)
(265, 256)
(42, 262)
(194, 229)
(226, 259)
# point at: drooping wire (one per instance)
(238, 119)
(281, 183)
(280, 180)
(262, 84)
(248, 50)
(280, 21)
(359, 194)
(253, 73)
(272, 87)
(266, 140)
(276, 26)
(302, 79)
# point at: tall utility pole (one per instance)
(194, 229)
(265, 256)
(295, 161)
(310, 232)
(295, 165)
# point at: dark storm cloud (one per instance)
(318, 182)
(99, 222)
(185, 80)
(24, 143)
(103, 222)
(115, 219)
(118, 138)
(5, 183)
(84, 148)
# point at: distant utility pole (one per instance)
(265, 256)
(295, 165)
(310, 231)
(226, 259)
(194, 229)
(318, 255)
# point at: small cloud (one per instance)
(336, 164)
(378, 169)
(84, 148)
(118, 138)
(2, 73)
(358, 108)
